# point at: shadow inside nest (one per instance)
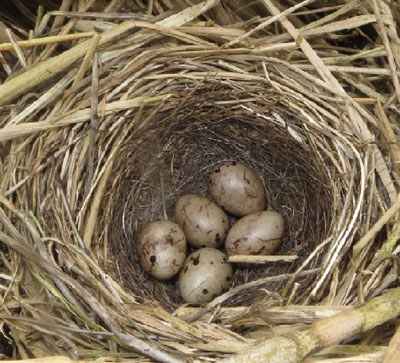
(174, 156)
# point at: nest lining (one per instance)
(175, 154)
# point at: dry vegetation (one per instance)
(111, 109)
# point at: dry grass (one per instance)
(98, 134)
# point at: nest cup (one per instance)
(200, 127)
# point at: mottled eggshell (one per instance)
(162, 249)
(205, 275)
(203, 222)
(256, 234)
(237, 189)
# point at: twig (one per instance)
(293, 348)
(261, 259)
(290, 314)
(46, 40)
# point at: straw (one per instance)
(101, 131)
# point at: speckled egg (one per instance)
(162, 249)
(256, 234)
(205, 275)
(203, 222)
(237, 189)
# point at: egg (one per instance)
(203, 222)
(237, 189)
(205, 275)
(162, 249)
(256, 234)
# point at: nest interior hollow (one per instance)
(177, 149)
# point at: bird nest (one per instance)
(139, 115)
